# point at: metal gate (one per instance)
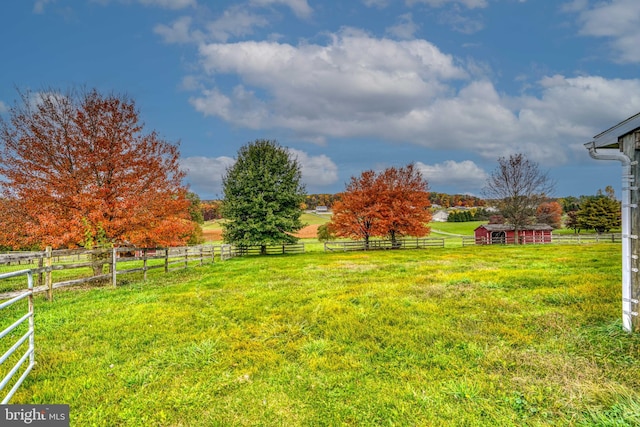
(29, 356)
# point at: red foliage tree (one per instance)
(77, 170)
(357, 211)
(550, 213)
(211, 210)
(392, 203)
(404, 203)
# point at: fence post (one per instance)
(48, 253)
(41, 274)
(144, 263)
(186, 256)
(113, 266)
(166, 260)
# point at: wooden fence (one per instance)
(361, 245)
(559, 238)
(230, 251)
(62, 268)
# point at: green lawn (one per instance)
(212, 225)
(449, 229)
(475, 336)
(312, 218)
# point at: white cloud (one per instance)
(3, 107)
(461, 23)
(570, 111)
(39, 5)
(204, 174)
(573, 107)
(357, 86)
(575, 6)
(616, 20)
(170, 4)
(405, 28)
(191, 82)
(465, 174)
(178, 32)
(353, 79)
(165, 4)
(241, 108)
(380, 4)
(471, 4)
(235, 21)
(316, 170)
(299, 7)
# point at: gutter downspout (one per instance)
(627, 182)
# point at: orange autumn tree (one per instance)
(550, 213)
(392, 203)
(357, 212)
(404, 203)
(76, 169)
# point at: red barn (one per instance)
(488, 234)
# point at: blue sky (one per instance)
(348, 86)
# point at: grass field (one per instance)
(454, 229)
(476, 336)
(450, 231)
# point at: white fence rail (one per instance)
(28, 357)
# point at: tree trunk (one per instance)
(394, 240)
(99, 257)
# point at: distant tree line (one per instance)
(465, 215)
(314, 200)
(455, 200)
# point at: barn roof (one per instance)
(507, 227)
(609, 138)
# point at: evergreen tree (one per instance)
(263, 196)
(570, 204)
(600, 213)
